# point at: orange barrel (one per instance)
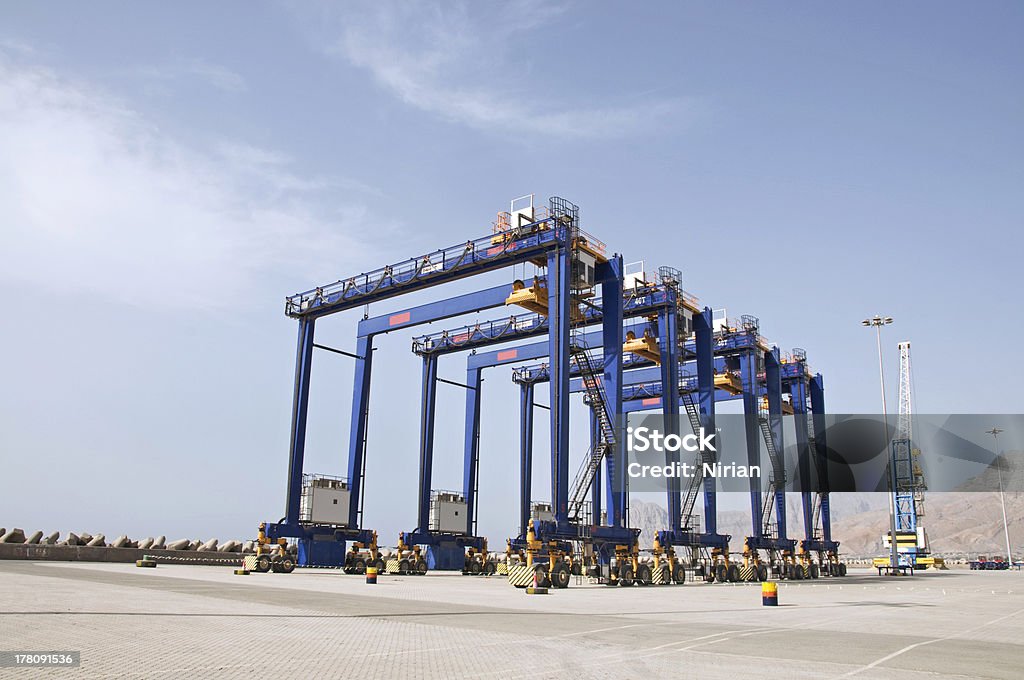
(371, 574)
(770, 594)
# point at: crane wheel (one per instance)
(560, 576)
(489, 568)
(421, 566)
(626, 575)
(732, 573)
(475, 568)
(287, 565)
(643, 575)
(762, 572)
(679, 574)
(814, 572)
(576, 569)
(403, 567)
(358, 566)
(541, 577)
(721, 573)
(842, 570)
(263, 564)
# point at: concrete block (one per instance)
(52, 538)
(230, 546)
(120, 542)
(98, 541)
(248, 546)
(146, 543)
(13, 536)
(2, 531)
(34, 538)
(159, 543)
(72, 539)
(209, 546)
(180, 544)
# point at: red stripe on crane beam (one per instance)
(396, 319)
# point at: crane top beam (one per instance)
(525, 243)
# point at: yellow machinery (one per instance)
(646, 346)
(535, 298)
(363, 555)
(729, 381)
(270, 555)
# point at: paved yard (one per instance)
(206, 622)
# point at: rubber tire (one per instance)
(381, 566)
(576, 569)
(560, 576)
(733, 573)
(542, 579)
(814, 572)
(798, 572)
(643, 575)
(842, 570)
(403, 567)
(626, 575)
(762, 572)
(475, 568)
(263, 564)
(287, 565)
(721, 573)
(358, 566)
(489, 568)
(679, 574)
(421, 567)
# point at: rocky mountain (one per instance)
(968, 522)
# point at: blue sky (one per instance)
(167, 176)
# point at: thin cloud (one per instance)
(438, 57)
(214, 75)
(96, 199)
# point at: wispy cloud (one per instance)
(214, 75)
(96, 199)
(451, 60)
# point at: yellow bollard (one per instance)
(770, 594)
(371, 574)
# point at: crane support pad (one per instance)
(520, 575)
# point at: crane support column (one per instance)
(609, 275)
(817, 390)
(595, 489)
(357, 435)
(773, 379)
(525, 455)
(668, 346)
(752, 435)
(300, 407)
(472, 445)
(428, 407)
(559, 308)
(798, 391)
(703, 329)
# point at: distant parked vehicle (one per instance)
(985, 563)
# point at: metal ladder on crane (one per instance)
(777, 477)
(595, 397)
(696, 481)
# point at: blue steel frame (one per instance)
(549, 238)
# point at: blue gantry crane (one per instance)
(314, 507)
(581, 286)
